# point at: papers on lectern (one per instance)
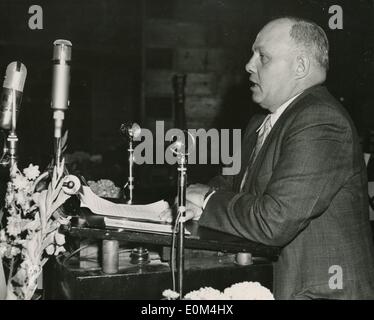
(137, 217)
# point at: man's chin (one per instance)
(256, 97)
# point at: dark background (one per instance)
(125, 53)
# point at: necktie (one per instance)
(262, 134)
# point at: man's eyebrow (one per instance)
(258, 48)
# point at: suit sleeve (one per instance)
(316, 157)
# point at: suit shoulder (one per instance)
(321, 106)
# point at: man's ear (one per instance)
(302, 66)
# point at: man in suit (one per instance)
(302, 184)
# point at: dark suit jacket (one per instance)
(306, 192)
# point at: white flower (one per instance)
(27, 236)
(240, 291)
(205, 293)
(21, 198)
(170, 294)
(59, 238)
(31, 172)
(50, 249)
(248, 290)
(3, 249)
(14, 251)
(14, 170)
(59, 249)
(9, 197)
(105, 188)
(2, 235)
(20, 182)
(14, 226)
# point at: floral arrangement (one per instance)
(247, 290)
(31, 230)
(105, 188)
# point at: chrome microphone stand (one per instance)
(139, 255)
(12, 137)
(182, 184)
(131, 174)
(9, 156)
(178, 148)
(130, 131)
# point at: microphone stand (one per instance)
(12, 137)
(131, 174)
(139, 255)
(182, 183)
(130, 131)
(58, 151)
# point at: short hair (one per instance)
(312, 37)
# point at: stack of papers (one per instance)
(135, 217)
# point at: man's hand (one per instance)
(195, 193)
(192, 211)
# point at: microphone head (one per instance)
(135, 130)
(15, 76)
(60, 81)
(179, 146)
(62, 51)
(14, 82)
(130, 130)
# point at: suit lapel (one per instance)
(247, 146)
(252, 175)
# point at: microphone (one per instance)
(14, 82)
(130, 130)
(60, 82)
(179, 146)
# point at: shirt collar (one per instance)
(277, 113)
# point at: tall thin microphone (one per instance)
(14, 82)
(60, 89)
(60, 82)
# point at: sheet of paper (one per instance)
(137, 225)
(104, 207)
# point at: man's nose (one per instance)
(250, 66)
